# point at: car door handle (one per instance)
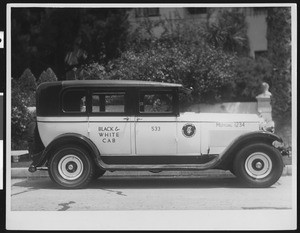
(139, 118)
(126, 118)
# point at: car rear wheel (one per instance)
(71, 167)
(258, 165)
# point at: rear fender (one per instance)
(228, 155)
(69, 138)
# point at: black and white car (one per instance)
(85, 128)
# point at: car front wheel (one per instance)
(71, 167)
(258, 165)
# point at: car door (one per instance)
(110, 123)
(156, 124)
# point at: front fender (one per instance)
(64, 139)
(227, 156)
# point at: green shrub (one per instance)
(279, 53)
(21, 98)
(47, 76)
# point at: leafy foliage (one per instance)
(181, 54)
(251, 74)
(22, 92)
(91, 71)
(25, 29)
(279, 53)
(47, 76)
(62, 38)
(27, 84)
(207, 70)
(229, 32)
(27, 81)
(22, 98)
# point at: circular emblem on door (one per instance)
(188, 130)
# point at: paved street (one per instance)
(150, 193)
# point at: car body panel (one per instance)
(155, 135)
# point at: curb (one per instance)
(24, 173)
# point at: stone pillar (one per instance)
(264, 103)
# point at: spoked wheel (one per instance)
(258, 165)
(71, 167)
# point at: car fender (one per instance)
(70, 138)
(227, 156)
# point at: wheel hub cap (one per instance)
(258, 165)
(70, 167)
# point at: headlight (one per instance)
(267, 126)
(278, 145)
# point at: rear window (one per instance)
(74, 101)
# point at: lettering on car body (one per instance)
(230, 124)
(108, 134)
(155, 128)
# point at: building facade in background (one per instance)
(254, 16)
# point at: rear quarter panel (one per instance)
(51, 127)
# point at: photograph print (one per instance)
(151, 111)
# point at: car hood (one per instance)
(219, 117)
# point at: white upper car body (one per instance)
(188, 134)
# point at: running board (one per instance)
(158, 167)
(147, 167)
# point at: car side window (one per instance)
(156, 103)
(108, 102)
(74, 101)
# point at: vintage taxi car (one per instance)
(85, 128)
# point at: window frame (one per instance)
(127, 107)
(73, 113)
(175, 102)
(131, 105)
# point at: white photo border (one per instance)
(152, 220)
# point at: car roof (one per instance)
(112, 83)
(117, 83)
